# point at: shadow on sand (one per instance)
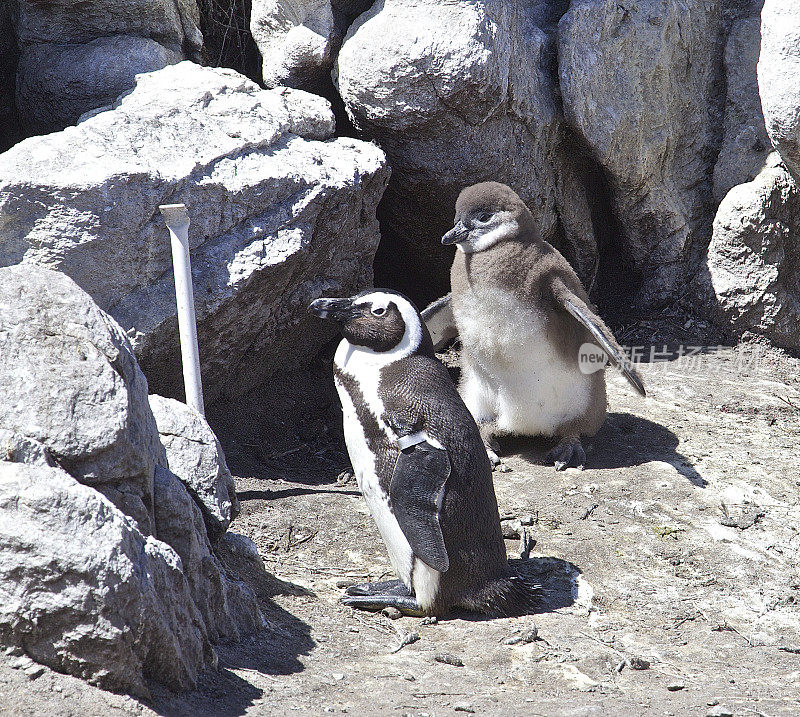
(623, 441)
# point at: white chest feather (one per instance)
(513, 374)
(367, 379)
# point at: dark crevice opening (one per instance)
(227, 41)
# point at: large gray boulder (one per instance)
(754, 256)
(638, 82)
(195, 456)
(84, 592)
(280, 213)
(779, 78)
(298, 41)
(458, 93)
(745, 144)
(70, 383)
(79, 56)
(229, 608)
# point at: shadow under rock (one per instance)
(623, 441)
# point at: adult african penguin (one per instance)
(523, 318)
(420, 463)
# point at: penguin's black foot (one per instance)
(568, 452)
(380, 587)
(379, 595)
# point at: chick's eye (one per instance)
(484, 217)
(379, 311)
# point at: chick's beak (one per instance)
(334, 309)
(457, 234)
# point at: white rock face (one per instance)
(195, 456)
(279, 216)
(71, 384)
(638, 83)
(457, 93)
(84, 592)
(754, 256)
(779, 78)
(745, 145)
(79, 56)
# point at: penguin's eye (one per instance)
(483, 217)
(379, 311)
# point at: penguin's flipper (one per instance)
(438, 317)
(379, 587)
(417, 494)
(580, 311)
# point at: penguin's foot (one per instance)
(380, 587)
(490, 443)
(379, 595)
(568, 452)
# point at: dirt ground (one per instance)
(670, 569)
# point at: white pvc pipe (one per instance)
(177, 220)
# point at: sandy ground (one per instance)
(670, 571)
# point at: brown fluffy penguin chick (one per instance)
(420, 465)
(523, 317)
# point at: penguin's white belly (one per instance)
(513, 374)
(400, 554)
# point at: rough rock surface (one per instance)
(57, 83)
(79, 56)
(84, 592)
(779, 78)
(298, 41)
(745, 145)
(229, 608)
(278, 216)
(71, 384)
(638, 81)
(754, 256)
(195, 456)
(457, 93)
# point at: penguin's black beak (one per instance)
(458, 233)
(334, 309)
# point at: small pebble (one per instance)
(464, 708)
(510, 529)
(21, 663)
(408, 639)
(337, 676)
(344, 583)
(503, 468)
(392, 613)
(620, 667)
(430, 620)
(34, 671)
(719, 712)
(638, 663)
(675, 686)
(448, 659)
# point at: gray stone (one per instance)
(76, 57)
(173, 23)
(779, 78)
(754, 256)
(84, 592)
(195, 456)
(745, 145)
(297, 41)
(57, 83)
(458, 93)
(229, 608)
(638, 81)
(72, 384)
(278, 217)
